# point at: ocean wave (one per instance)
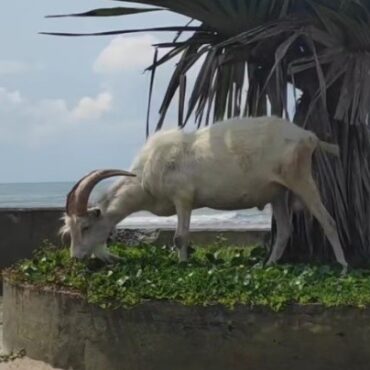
(220, 220)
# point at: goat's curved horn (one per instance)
(78, 197)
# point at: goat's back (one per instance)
(242, 153)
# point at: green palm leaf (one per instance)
(123, 32)
(107, 12)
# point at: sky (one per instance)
(72, 105)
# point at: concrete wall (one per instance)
(24, 230)
(65, 331)
(199, 237)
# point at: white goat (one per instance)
(236, 164)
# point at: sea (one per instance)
(53, 194)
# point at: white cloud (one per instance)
(52, 139)
(11, 67)
(126, 53)
(30, 122)
(93, 108)
(9, 97)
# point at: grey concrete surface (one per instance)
(23, 230)
(235, 237)
(65, 331)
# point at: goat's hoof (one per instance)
(344, 270)
(183, 259)
(115, 259)
(269, 263)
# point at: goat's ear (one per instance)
(95, 212)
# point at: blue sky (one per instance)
(71, 105)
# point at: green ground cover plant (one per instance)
(214, 275)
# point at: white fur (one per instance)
(236, 164)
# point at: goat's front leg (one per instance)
(182, 234)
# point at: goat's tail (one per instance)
(329, 148)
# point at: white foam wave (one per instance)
(204, 219)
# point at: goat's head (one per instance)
(88, 228)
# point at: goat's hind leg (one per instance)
(182, 234)
(310, 196)
(283, 228)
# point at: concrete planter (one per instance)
(65, 331)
